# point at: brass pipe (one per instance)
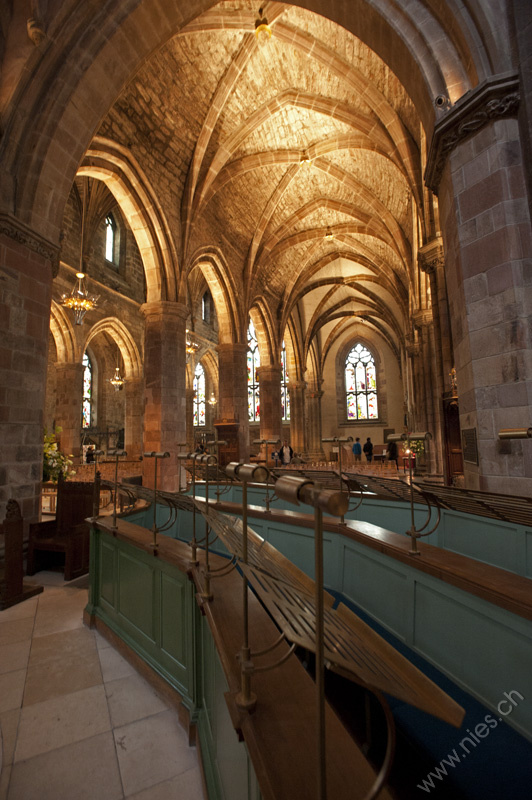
(117, 454)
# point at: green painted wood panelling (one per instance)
(528, 554)
(484, 649)
(108, 570)
(484, 539)
(370, 581)
(136, 589)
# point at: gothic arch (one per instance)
(118, 169)
(128, 349)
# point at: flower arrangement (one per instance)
(417, 447)
(55, 463)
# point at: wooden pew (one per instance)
(68, 533)
(12, 587)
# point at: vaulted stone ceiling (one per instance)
(298, 162)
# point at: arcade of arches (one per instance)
(359, 179)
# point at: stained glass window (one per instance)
(285, 394)
(86, 420)
(253, 359)
(361, 384)
(199, 395)
(110, 239)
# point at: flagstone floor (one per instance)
(77, 722)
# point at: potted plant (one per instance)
(55, 463)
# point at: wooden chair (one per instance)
(12, 587)
(68, 533)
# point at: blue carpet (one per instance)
(495, 765)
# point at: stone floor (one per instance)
(77, 722)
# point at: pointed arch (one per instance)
(115, 166)
(223, 291)
(120, 334)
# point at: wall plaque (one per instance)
(469, 445)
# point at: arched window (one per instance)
(86, 417)
(199, 396)
(361, 384)
(206, 301)
(253, 378)
(111, 240)
(285, 394)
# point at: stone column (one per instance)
(270, 406)
(26, 262)
(233, 392)
(315, 451)
(297, 415)
(164, 382)
(134, 389)
(476, 165)
(68, 407)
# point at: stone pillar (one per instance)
(26, 263)
(189, 393)
(270, 406)
(134, 389)
(315, 451)
(476, 165)
(297, 415)
(68, 407)
(431, 261)
(164, 382)
(233, 392)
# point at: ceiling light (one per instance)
(304, 160)
(212, 399)
(263, 31)
(79, 299)
(192, 343)
(117, 381)
(329, 234)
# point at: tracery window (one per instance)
(253, 359)
(285, 394)
(361, 384)
(86, 417)
(199, 396)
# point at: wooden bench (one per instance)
(12, 587)
(67, 534)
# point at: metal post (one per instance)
(246, 699)
(96, 503)
(155, 530)
(117, 454)
(208, 461)
(296, 489)
(320, 668)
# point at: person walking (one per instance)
(368, 450)
(392, 452)
(357, 449)
(286, 453)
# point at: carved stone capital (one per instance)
(495, 98)
(19, 232)
(430, 257)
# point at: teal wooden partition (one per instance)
(150, 605)
(483, 648)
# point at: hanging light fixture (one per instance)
(79, 299)
(192, 344)
(212, 399)
(117, 381)
(263, 32)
